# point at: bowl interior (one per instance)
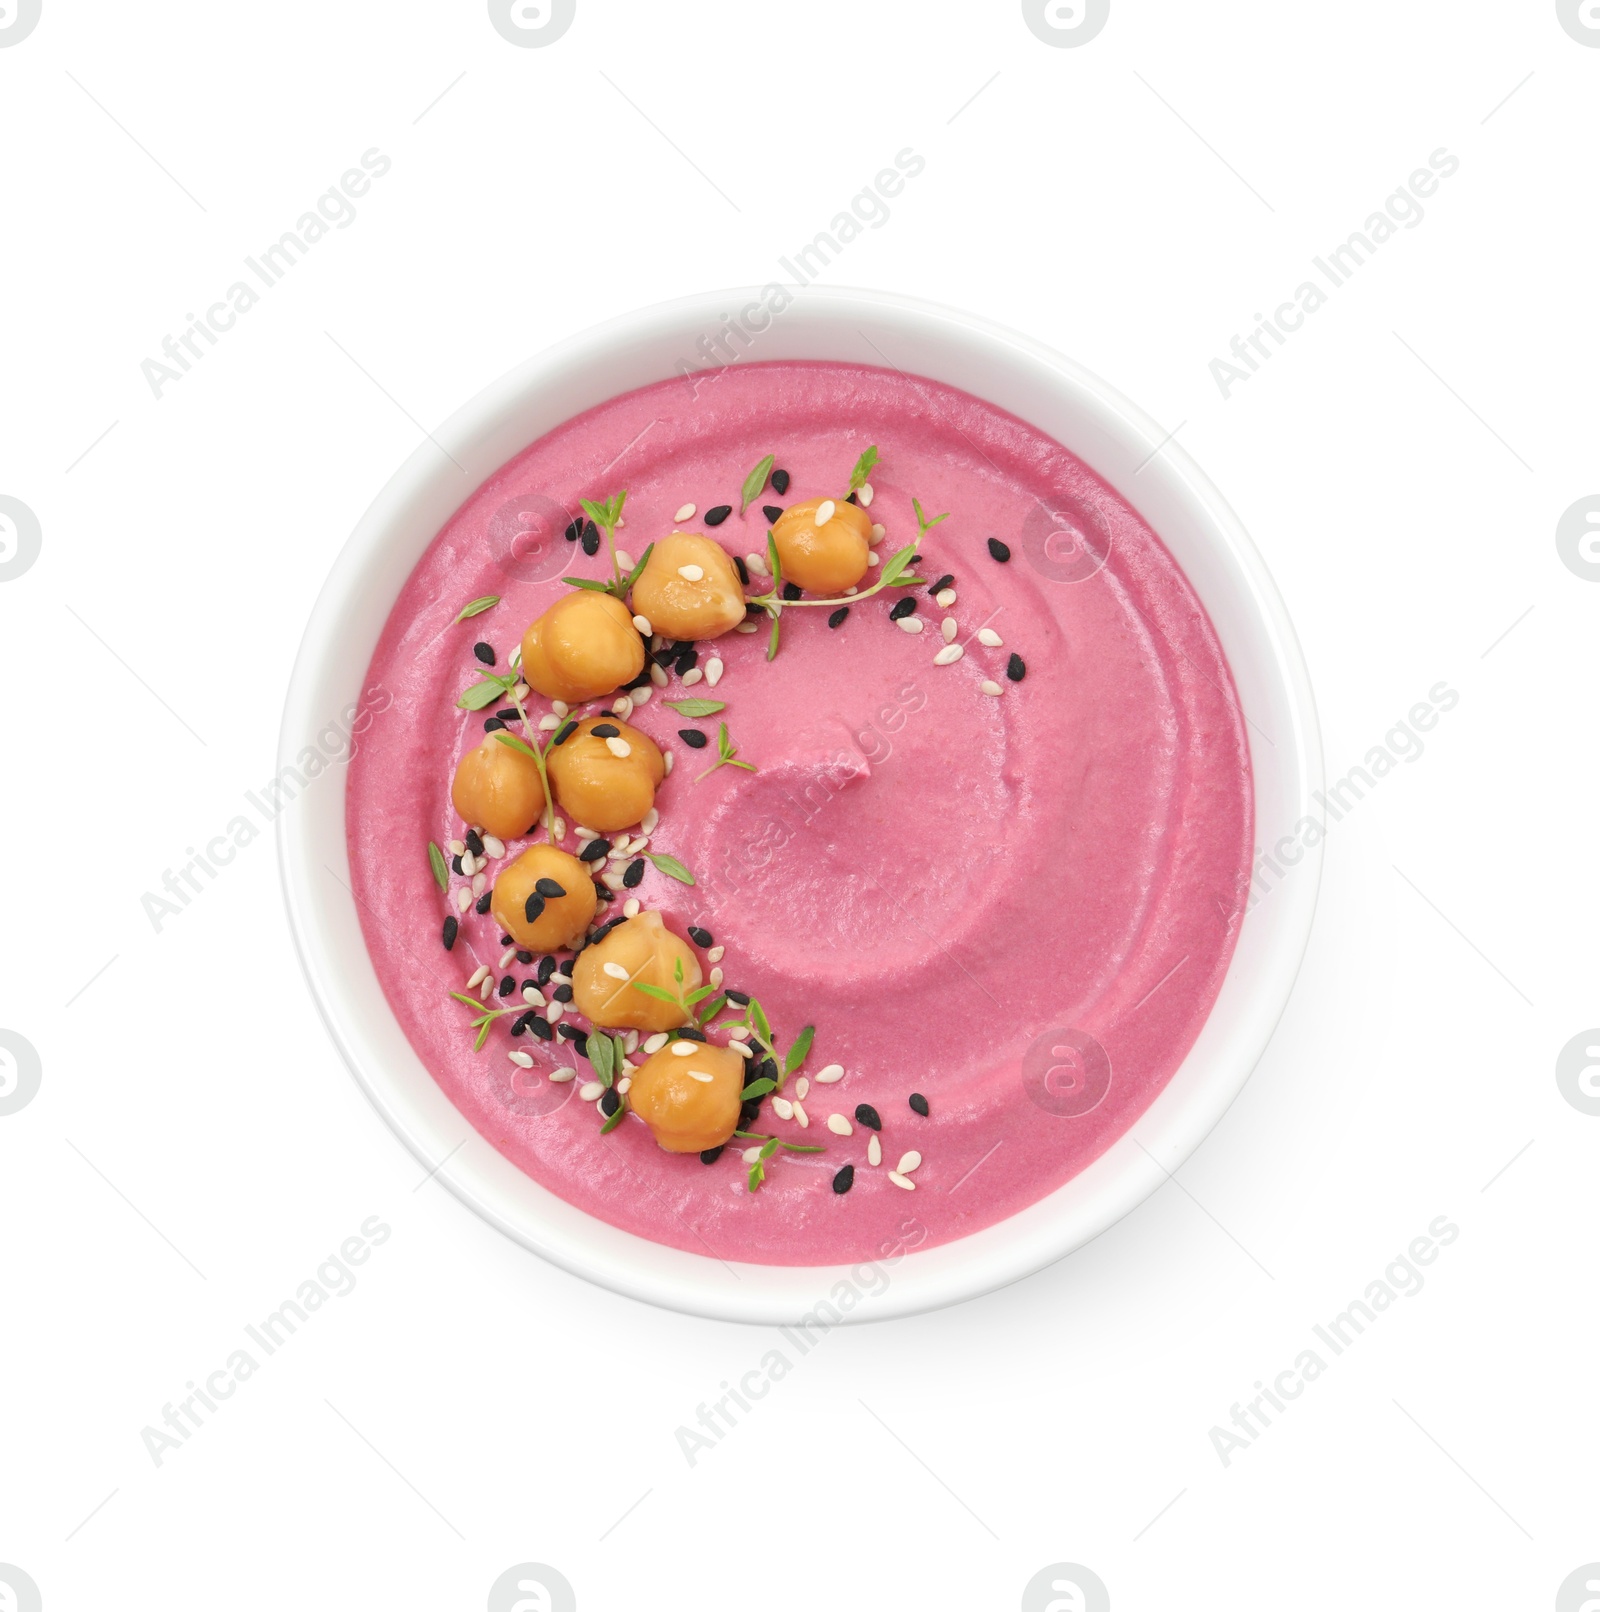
(1042, 388)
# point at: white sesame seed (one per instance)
(590, 1091)
(783, 1108)
(902, 1181)
(750, 1155)
(495, 848)
(479, 975)
(560, 1076)
(624, 558)
(463, 899)
(630, 1041)
(560, 828)
(747, 626)
(553, 1013)
(682, 1049)
(623, 708)
(874, 557)
(585, 833)
(949, 627)
(480, 883)
(834, 1071)
(625, 1085)
(686, 513)
(612, 881)
(616, 971)
(741, 1049)
(657, 676)
(879, 532)
(486, 987)
(520, 692)
(864, 495)
(666, 761)
(713, 671)
(641, 696)
(522, 1060)
(756, 563)
(802, 1087)
(990, 687)
(701, 1076)
(852, 589)
(454, 847)
(908, 1162)
(630, 907)
(619, 747)
(716, 954)
(506, 957)
(825, 512)
(531, 994)
(874, 1150)
(716, 978)
(691, 573)
(911, 624)
(800, 1116)
(944, 598)
(560, 707)
(649, 820)
(989, 637)
(740, 1032)
(839, 1125)
(469, 864)
(549, 724)
(692, 676)
(949, 655)
(640, 841)
(655, 1043)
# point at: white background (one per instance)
(196, 1148)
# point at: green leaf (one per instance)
(511, 741)
(724, 743)
(758, 1088)
(700, 995)
(897, 565)
(656, 991)
(616, 1119)
(471, 1001)
(696, 707)
(602, 1056)
(441, 868)
(711, 1012)
(483, 1034)
(677, 969)
(485, 693)
(607, 514)
(864, 468)
(638, 570)
(774, 564)
(758, 1174)
(478, 606)
(758, 1018)
(587, 582)
(801, 1147)
(754, 482)
(797, 1053)
(670, 866)
(769, 1147)
(749, 766)
(772, 641)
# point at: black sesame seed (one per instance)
(604, 894)
(766, 1070)
(715, 517)
(845, 1179)
(567, 731)
(852, 499)
(689, 1033)
(570, 1032)
(605, 929)
(773, 512)
(451, 930)
(791, 590)
(507, 715)
(505, 940)
(524, 957)
(574, 531)
(474, 842)
(483, 902)
(902, 608)
(712, 1154)
(1016, 668)
(591, 538)
(665, 655)
(606, 730)
(492, 723)
(686, 660)
(547, 966)
(999, 550)
(484, 652)
(739, 997)
(867, 1115)
(594, 851)
(780, 482)
(633, 874)
(455, 864)
(639, 681)
(507, 986)
(691, 737)
(518, 1026)
(743, 570)
(549, 889)
(701, 937)
(944, 582)
(540, 1028)
(533, 907)
(836, 619)
(609, 1102)
(562, 993)
(749, 1113)
(919, 1104)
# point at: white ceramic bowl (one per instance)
(1049, 392)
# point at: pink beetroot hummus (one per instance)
(1020, 907)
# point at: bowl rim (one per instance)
(490, 429)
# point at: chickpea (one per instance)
(583, 646)
(689, 1101)
(498, 789)
(824, 559)
(641, 949)
(561, 920)
(695, 606)
(597, 787)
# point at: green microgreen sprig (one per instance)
(865, 465)
(477, 607)
(755, 482)
(485, 1016)
(727, 753)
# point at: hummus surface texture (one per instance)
(1020, 907)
